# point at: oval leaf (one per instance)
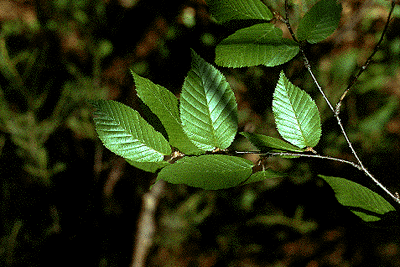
(296, 114)
(260, 44)
(266, 143)
(210, 172)
(164, 104)
(363, 202)
(208, 107)
(320, 21)
(123, 131)
(227, 10)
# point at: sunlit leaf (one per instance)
(320, 21)
(227, 10)
(208, 107)
(260, 44)
(123, 131)
(210, 172)
(164, 104)
(296, 114)
(363, 202)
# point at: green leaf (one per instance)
(227, 10)
(148, 166)
(263, 175)
(296, 114)
(319, 22)
(260, 44)
(123, 131)
(266, 143)
(363, 202)
(210, 172)
(164, 104)
(208, 107)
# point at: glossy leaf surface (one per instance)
(123, 131)
(208, 107)
(164, 104)
(296, 114)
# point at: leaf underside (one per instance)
(363, 202)
(210, 172)
(296, 114)
(123, 131)
(208, 107)
(260, 44)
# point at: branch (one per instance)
(290, 154)
(305, 59)
(367, 62)
(359, 165)
(286, 21)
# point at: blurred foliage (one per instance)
(67, 201)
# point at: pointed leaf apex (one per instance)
(208, 107)
(296, 114)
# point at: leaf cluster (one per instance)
(263, 43)
(203, 122)
(201, 126)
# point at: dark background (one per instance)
(68, 201)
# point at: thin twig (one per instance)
(359, 165)
(308, 66)
(305, 59)
(288, 23)
(290, 154)
(337, 111)
(393, 196)
(368, 61)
